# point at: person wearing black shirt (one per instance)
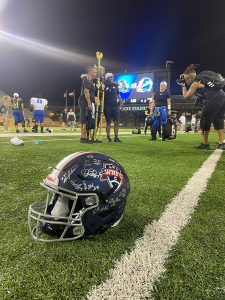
(87, 100)
(214, 108)
(112, 106)
(160, 107)
(18, 112)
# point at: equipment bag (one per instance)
(211, 79)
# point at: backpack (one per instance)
(90, 118)
(211, 79)
(169, 131)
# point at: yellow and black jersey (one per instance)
(17, 104)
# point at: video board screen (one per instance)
(135, 86)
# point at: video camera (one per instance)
(181, 80)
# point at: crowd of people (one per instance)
(158, 115)
(14, 106)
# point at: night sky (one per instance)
(131, 34)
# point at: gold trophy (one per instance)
(100, 98)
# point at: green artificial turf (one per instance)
(35, 270)
(196, 269)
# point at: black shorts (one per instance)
(213, 112)
(112, 113)
(83, 112)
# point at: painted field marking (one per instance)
(135, 274)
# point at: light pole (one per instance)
(168, 67)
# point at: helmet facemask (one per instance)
(59, 217)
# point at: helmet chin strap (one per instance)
(61, 207)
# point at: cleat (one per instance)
(221, 146)
(117, 140)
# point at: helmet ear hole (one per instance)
(90, 201)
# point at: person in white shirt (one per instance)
(71, 118)
(182, 121)
(193, 123)
(38, 104)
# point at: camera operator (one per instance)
(214, 107)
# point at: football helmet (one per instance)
(86, 195)
(144, 85)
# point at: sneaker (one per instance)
(221, 146)
(86, 141)
(203, 147)
(17, 131)
(109, 140)
(83, 141)
(96, 141)
(117, 140)
(25, 131)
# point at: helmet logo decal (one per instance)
(113, 175)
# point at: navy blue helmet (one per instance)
(87, 194)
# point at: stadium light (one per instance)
(44, 49)
(49, 50)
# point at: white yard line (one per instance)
(135, 274)
(28, 134)
(73, 138)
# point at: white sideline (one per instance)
(68, 133)
(73, 138)
(134, 276)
